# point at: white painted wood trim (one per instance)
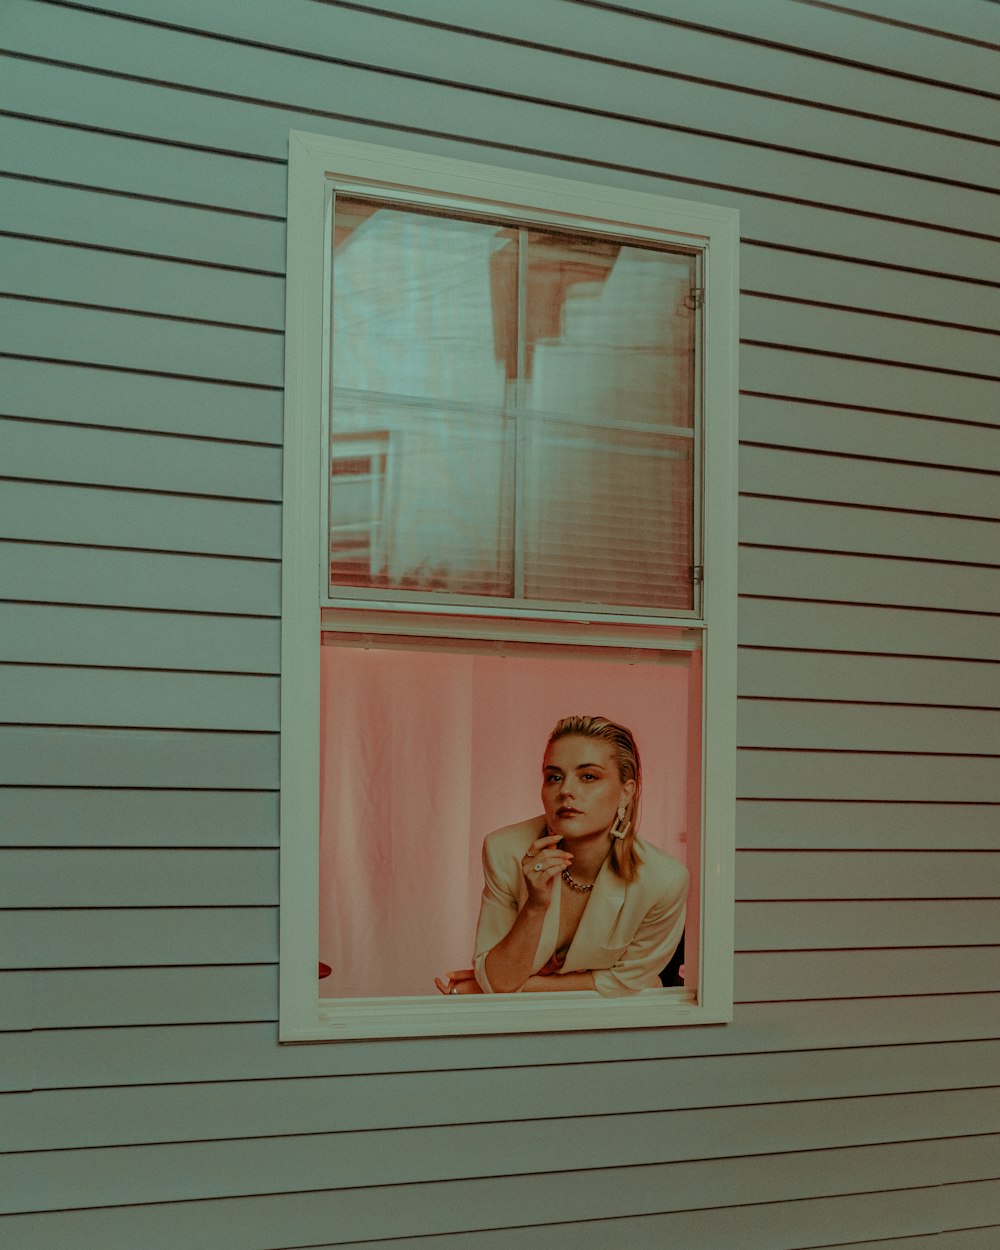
(313, 161)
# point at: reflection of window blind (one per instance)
(610, 519)
(534, 392)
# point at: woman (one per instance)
(573, 900)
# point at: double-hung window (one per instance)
(509, 498)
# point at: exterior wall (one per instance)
(853, 1100)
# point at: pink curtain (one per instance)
(424, 752)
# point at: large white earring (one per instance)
(621, 826)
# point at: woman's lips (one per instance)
(568, 811)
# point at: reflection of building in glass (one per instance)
(532, 395)
(359, 465)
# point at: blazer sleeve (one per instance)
(497, 911)
(655, 940)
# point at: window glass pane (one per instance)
(429, 744)
(610, 331)
(608, 516)
(609, 458)
(512, 412)
(421, 449)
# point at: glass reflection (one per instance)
(512, 411)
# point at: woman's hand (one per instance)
(460, 981)
(508, 964)
(541, 864)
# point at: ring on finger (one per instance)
(539, 868)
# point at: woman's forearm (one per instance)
(508, 964)
(559, 981)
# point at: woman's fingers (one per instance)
(545, 861)
(540, 844)
(456, 981)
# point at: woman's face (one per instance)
(581, 786)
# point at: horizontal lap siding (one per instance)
(142, 246)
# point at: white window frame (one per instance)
(315, 161)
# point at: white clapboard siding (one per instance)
(843, 84)
(121, 163)
(888, 630)
(102, 997)
(71, 453)
(858, 480)
(845, 925)
(214, 1169)
(93, 396)
(240, 74)
(883, 825)
(852, 1100)
(58, 756)
(448, 1206)
(123, 340)
(765, 571)
(196, 177)
(93, 878)
(789, 1225)
(875, 679)
(799, 324)
(838, 726)
(776, 523)
(914, 298)
(966, 19)
(197, 235)
(883, 436)
(893, 1036)
(844, 380)
(138, 519)
(50, 633)
(75, 937)
(163, 288)
(761, 975)
(866, 875)
(838, 34)
(133, 1114)
(818, 774)
(605, 88)
(58, 694)
(93, 817)
(98, 997)
(75, 574)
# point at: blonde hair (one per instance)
(625, 858)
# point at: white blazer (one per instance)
(627, 932)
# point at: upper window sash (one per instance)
(366, 456)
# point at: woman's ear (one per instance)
(628, 790)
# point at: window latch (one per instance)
(695, 298)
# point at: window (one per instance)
(509, 497)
